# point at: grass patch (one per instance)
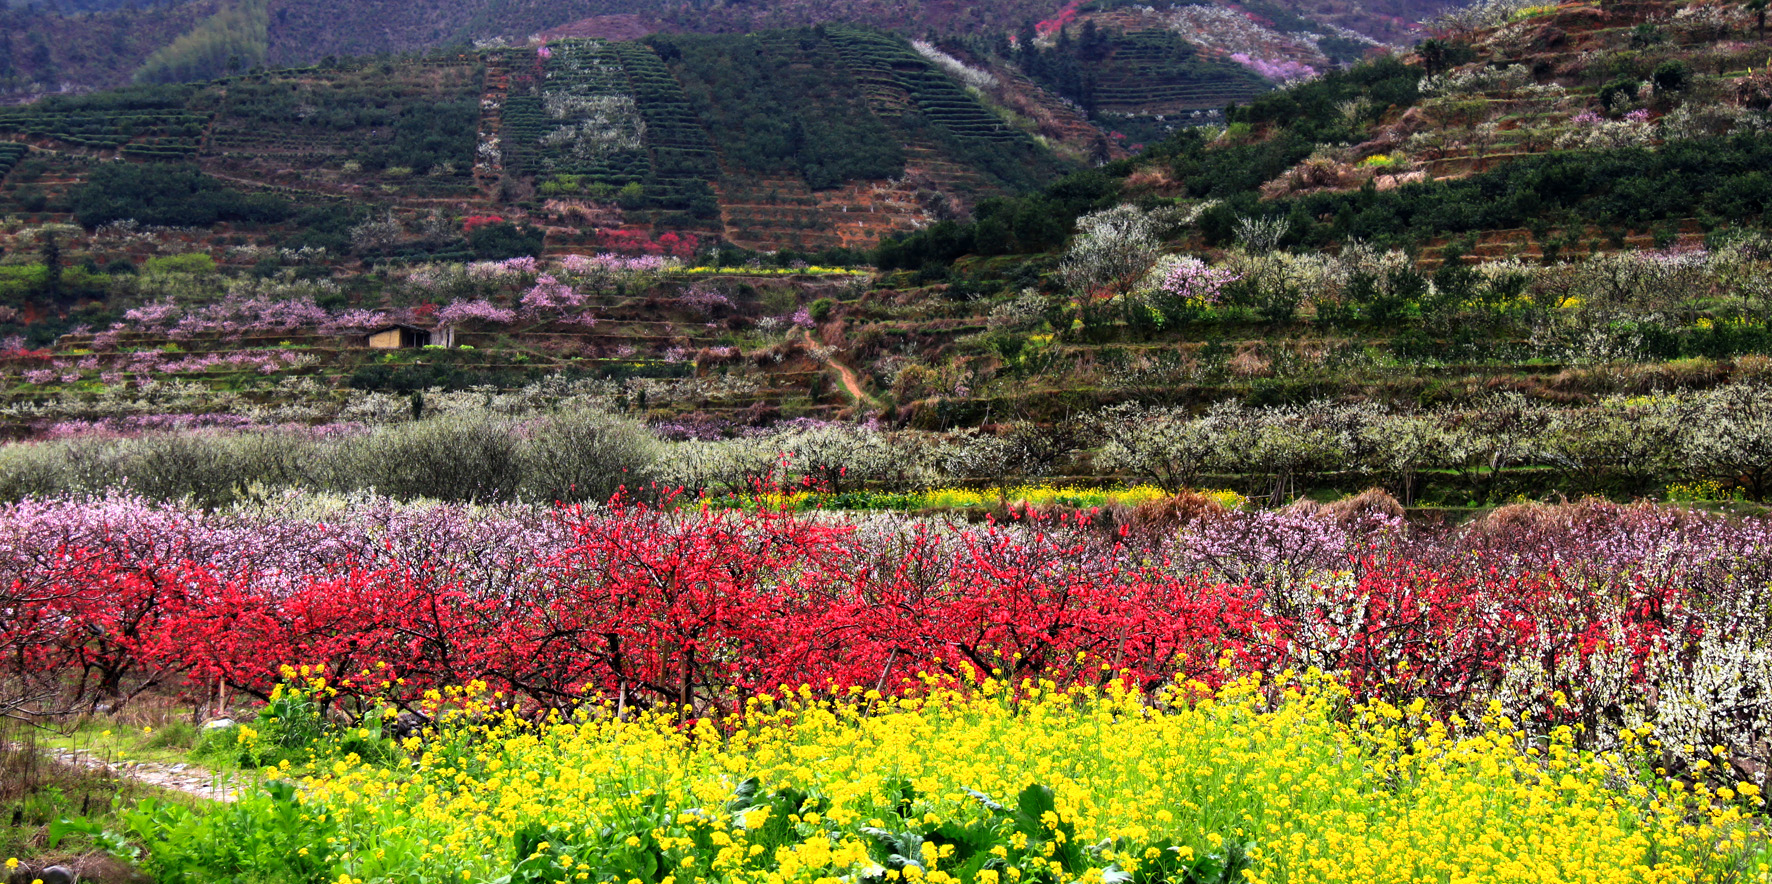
(36, 790)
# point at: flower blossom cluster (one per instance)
(1278, 70)
(510, 267)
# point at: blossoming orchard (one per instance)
(886, 442)
(1156, 690)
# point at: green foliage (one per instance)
(1633, 188)
(1115, 70)
(495, 242)
(267, 836)
(1236, 169)
(421, 115)
(585, 456)
(10, 153)
(1030, 827)
(428, 135)
(966, 128)
(1313, 110)
(21, 284)
(1646, 35)
(1438, 55)
(149, 120)
(575, 122)
(729, 255)
(326, 226)
(185, 262)
(228, 42)
(170, 196)
(683, 157)
(287, 726)
(783, 102)
(1673, 75)
(293, 728)
(1010, 225)
(1233, 171)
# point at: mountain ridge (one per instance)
(49, 52)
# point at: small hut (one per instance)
(397, 337)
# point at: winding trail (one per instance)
(851, 383)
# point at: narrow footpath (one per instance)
(187, 778)
(850, 382)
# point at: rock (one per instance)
(218, 724)
(58, 875)
(1392, 182)
(407, 725)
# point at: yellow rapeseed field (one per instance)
(996, 783)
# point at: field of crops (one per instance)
(146, 123)
(10, 153)
(684, 692)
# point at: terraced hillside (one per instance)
(801, 139)
(722, 346)
(1156, 72)
(83, 45)
(1565, 202)
(1533, 93)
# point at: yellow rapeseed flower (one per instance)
(1309, 785)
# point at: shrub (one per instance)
(169, 195)
(1673, 75)
(585, 455)
(472, 457)
(499, 240)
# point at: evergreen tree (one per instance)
(51, 254)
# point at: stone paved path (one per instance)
(186, 778)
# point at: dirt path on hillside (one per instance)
(850, 382)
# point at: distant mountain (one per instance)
(82, 45)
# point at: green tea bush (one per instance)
(169, 195)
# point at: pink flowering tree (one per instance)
(479, 311)
(1278, 70)
(510, 268)
(704, 299)
(552, 299)
(1186, 286)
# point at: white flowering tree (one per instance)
(1169, 445)
(1112, 251)
(1728, 436)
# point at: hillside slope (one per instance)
(1344, 240)
(800, 139)
(1546, 127)
(101, 46)
(1564, 201)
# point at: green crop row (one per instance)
(10, 153)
